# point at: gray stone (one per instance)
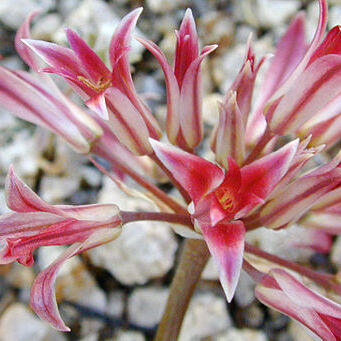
(234, 334)
(206, 316)
(146, 305)
(13, 13)
(127, 335)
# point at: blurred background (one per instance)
(118, 291)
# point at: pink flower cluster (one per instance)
(257, 179)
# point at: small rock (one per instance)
(334, 16)
(46, 26)
(336, 252)
(245, 294)
(80, 287)
(146, 305)
(20, 276)
(206, 316)
(163, 6)
(280, 242)
(210, 272)
(127, 335)
(116, 304)
(21, 153)
(13, 13)
(54, 189)
(90, 337)
(266, 13)
(143, 251)
(18, 323)
(241, 335)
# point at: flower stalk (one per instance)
(194, 257)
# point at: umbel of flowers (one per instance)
(257, 179)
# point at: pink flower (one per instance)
(283, 292)
(111, 94)
(301, 82)
(35, 223)
(221, 199)
(183, 82)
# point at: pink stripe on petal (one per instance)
(24, 51)
(230, 133)
(98, 105)
(226, 244)
(14, 225)
(319, 33)
(190, 101)
(187, 49)
(172, 87)
(89, 59)
(290, 50)
(56, 56)
(318, 85)
(126, 122)
(21, 198)
(303, 296)
(330, 45)
(120, 42)
(261, 176)
(278, 300)
(43, 299)
(195, 174)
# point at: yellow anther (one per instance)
(101, 84)
(225, 198)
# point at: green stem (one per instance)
(193, 260)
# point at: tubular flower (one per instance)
(39, 101)
(289, 204)
(301, 81)
(221, 199)
(261, 180)
(35, 223)
(183, 82)
(111, 94)
(283, 292)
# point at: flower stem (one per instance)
(166, 199)
(128, 217)
(182, 191)
(193, 259)
(267, 136)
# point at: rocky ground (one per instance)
(118, 291)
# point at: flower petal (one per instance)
(56, 56)
(319, 33)
(24, 51)
(304, 296)
(127, 123)
(43, 299)
(316, 87)
(278, 300)
(298, 197)
(230, 133)
(173, 92)
(21, 198)
(261, 176)
(195, 174)
(87, 57)
(187, 49)
(190, 101)
(226, 244)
